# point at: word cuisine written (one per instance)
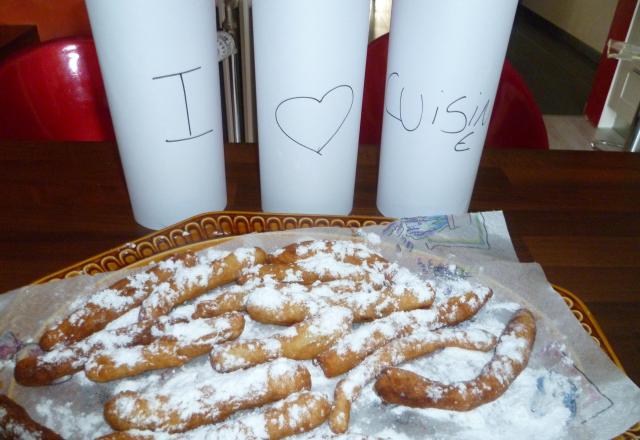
(460, 117)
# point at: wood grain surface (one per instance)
(576, 213)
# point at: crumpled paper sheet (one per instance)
(602, 401)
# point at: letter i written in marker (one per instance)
(435, 114)
(186, 103)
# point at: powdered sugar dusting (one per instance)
(398, 351)
(87, 425)
(189, 393)
(506, 417)
(358, 286)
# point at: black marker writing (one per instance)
(458, 146)
(399, 117)
(459, 116)
(186, 104)
(484, 114)
(459, 113)
(339, 98)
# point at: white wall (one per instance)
(624, 94)
(587, 20)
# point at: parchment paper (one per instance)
(601, 402)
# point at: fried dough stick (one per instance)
(281, 303)
(511, 356)
(106, 305)
(182, 342)
(301, 341)
(16, 424)
(44, 368)
(269, 302)
(288, 303)
(192, 274)
(233, 299)
(308, 273)
(298, 413)
(209, 401)
(343, 250)
(35, 368)
(396, 352)
(211, 269)
(321, 261)
(354, 347)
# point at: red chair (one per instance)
(54, 91)
(516, 120)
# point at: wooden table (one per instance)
(576, 213)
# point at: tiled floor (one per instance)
(569, 132)
(560, 79)
(559, 76)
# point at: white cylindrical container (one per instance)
(159, 64)
(309, 60)
(445, 60)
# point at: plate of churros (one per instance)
(330, 332)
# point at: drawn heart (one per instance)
(311, 122)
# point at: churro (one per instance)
(181, 405)
(178, 344)
(301, 341)
(157, 290)
(288, 303)
(321, 261)
(355, 346)
(106, 305)
(16, 424)
(511, 356)
(194, 276)
(298, 413)
(394, 353)
(349, 251)
(37, 368)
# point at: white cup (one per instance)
(159, 64)
(445, 60)
(309, 60)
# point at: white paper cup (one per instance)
(445, 60)
(309, 60)
(159, 64)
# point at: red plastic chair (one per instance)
(516, 120)
(54, 91)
